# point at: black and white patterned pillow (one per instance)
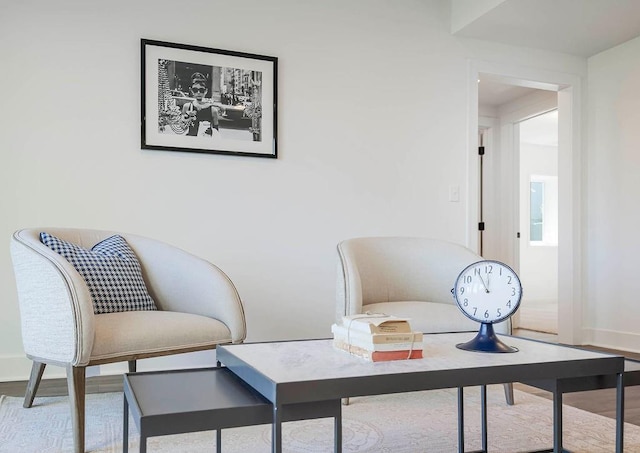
(111, 270)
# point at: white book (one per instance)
(379, 346)
(378, 356)
(371, 340)
(377, 323)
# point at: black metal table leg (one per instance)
(557, 420)
(125, 427)
(483, 406)
(277, 429)
(620, 413)
(337, 432)
(460, 420)
(483, 415)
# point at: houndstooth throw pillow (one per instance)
(111, 270)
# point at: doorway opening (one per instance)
(534, 92)
(538, 212)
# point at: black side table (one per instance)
(183, 401)
(558, 387)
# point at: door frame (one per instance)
(570, 174)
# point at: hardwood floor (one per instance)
(58, 387)
(600, 402)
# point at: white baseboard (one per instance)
(18, 368)
(612, 339)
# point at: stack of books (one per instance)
(377, 337)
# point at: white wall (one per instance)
(372, 132)
(613, 306)
(464, 12)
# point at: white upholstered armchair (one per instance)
(406, 277)
(198, 308)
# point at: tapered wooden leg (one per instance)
(37, 369)
(508, 393)
(132, 366)
(76, 385)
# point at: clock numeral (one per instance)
(466, 302)
(467, 279)
(488, 269)
(513, 291)
(499, 313)
(476, 271)
(461, 290)
(486, 314)
(509, 304)
(508, 277)
(475, 310)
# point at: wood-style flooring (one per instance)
(600, 402)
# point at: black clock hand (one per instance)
(483, 283)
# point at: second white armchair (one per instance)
(407, 277)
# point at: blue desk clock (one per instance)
(488, 292)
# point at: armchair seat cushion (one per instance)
(431, 317)
(154, 333)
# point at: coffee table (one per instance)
(313, 370)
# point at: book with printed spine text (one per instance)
(377, 337)
(376, 323)
(378, 356)
(378, 341)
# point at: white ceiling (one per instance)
(577, 27)
(539, 130)
(493, 94)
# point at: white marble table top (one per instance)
(315, 360)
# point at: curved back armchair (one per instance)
(407, 277)
(198, 307)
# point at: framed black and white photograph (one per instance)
(204, 100)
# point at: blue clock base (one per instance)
(486, 341)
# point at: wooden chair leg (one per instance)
(37, 368)
(508, 394)
(132, 366)
(76, 384)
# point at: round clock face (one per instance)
(488, 291)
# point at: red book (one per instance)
(379, 356)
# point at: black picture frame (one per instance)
(205, 100)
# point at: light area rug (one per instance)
(402, 423)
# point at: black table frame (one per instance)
(212, 399)
(280, 393)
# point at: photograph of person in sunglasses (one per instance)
(200, 114)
